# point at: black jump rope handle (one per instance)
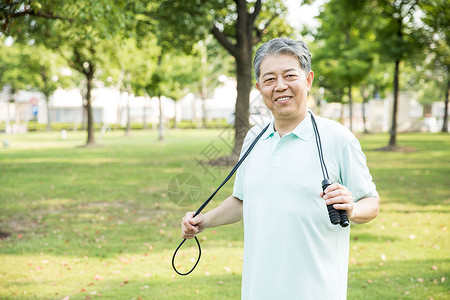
(337, 216)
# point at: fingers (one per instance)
(339, 196)
(191, 226)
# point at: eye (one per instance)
(269, 80)
(291, 76)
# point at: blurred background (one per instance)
(380, 65)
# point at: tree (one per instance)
(237, 25)
(374, 85)
(33, 68)
(130, 68)
(213, 62)
(399, 39)
(438, 37)
(153, 88)
(11, 74)
(344, 56)
(48, 69)
(180, 74)
(11, 10)
(81, 30)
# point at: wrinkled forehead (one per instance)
(279, 63)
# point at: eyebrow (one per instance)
(284, 71)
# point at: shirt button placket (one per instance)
(275, 160)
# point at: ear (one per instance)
(257, 86)
(309, 80)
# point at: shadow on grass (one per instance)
(104, 230)
(371, 238)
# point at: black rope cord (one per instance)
(336, 216)
(210, 198)
(319, 147)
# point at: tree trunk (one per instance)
(90, 117)
(128, 127)
(45, 79)
(204, 93)
(445, 123)
(194, 113)
(244, 37)
(242, 51)
(393, 131)
(119, 102)
(119, 113)
(317, 100)
(350, 106)
(7, 119)
(47, 107)
(83, 117)
(242, 111)
(144, 117)
(204, 114)
(175, 106)
(17, 113)
(364, 114)
(161, 136)
(363, 108)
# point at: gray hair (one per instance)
(279, 46)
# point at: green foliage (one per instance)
(179, 71)
(344, 58)
(212, 61)
(121, 42)
(178, 25)
(10, 67)
(378, 81)
(32, 67)
(398, 34)
(435, 72)
(84, 30)
(132, 64)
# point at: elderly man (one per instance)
(291, 249)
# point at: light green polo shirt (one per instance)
(291, 249)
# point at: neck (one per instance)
(284, 126)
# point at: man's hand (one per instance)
(229, 211)
(191, 226)
(340, 197)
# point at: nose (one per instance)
(280, 84)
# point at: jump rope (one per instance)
(336, 216)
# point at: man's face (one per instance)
(284, 87)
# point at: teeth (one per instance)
(282, 99)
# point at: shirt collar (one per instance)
(269, 132)
(304, 129)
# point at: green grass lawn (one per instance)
(89, 223)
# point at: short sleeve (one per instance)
(238, 189)
(355, 174)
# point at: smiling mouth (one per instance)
(283, 99)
